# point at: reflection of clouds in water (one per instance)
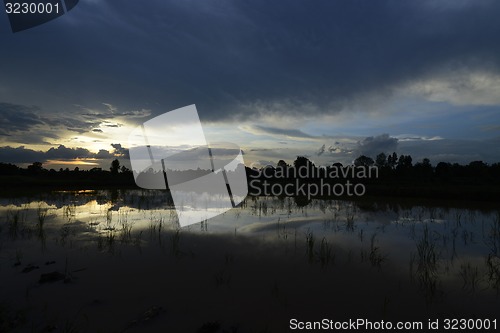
(272, 226)
(395, 228)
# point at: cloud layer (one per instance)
(247, 59)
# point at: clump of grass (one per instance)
(426, 251)
(427, 268)
(69, 212)
(204, 225)
(470, 277)
(493, 238)
(155, 224)
(64, 233)
(325, 253)
(176, 240)
(41, 216)
(110, 240)
(375, 257)
(106, 242)
(126, 232)
(349, 219)
(15, 222)
(493, 264)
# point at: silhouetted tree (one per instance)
(443, 171)
(423, 169)
(381, 160)
(404, 162)
(282, 164)
(36, 167)
(115, 166)
(392, 160)
(9, 169)
(302, 161)
(364, 161)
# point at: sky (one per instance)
(329, 80)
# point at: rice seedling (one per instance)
(493, 265)
(375, 257)
(41, 216)
(310, 246)
(63, 235)
(138, 241)
(282, 231)
(69, 212)
(432, 214)
(176, 239)
(349, 224)
(106, 242)
(126, 232)
(458, 218)
(493, 236)
(426, 250)
(427, 268)
(15, 220)
(109, 217)
(470, 277)
(204, 225)
(325, 253)
(126, 227)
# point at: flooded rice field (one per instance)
(114, 261)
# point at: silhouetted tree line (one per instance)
(401, 167)
(36, 175)
(394, 167)
(395, 175)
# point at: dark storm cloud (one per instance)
(32, 124)
(20, 155)
(287, 132)
(25, 155)
(18, 118)
(111, 112)
(374, 145)
(241, 59)
(119, 150)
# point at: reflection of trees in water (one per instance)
(139, 199)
